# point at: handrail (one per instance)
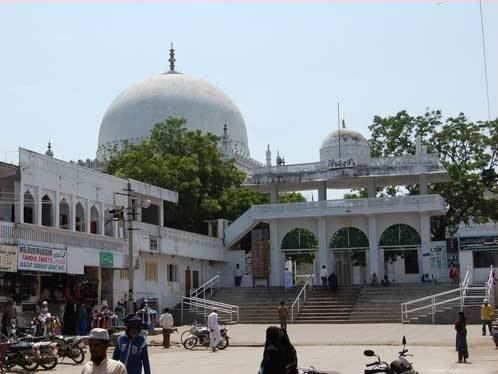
(309, 281)
(206, 304)
(202, 289)
(490, 287)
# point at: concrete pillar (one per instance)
(422, 182)
(276, 261)
(323, 248)
(72, 213)
(161, 213)
(115, 228)
(373, 248)
(322, 192)
(274, 194)
(372, 188)
(425, 243)
(38, 206)
(88, 216)
(101, 222)
(57, 211)
(20, 206)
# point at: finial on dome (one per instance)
(49, 152)
(225, 129)
(172, 59)
(343, 123)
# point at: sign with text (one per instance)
(341, 163)
(479, 243)
(8, 258)
(43, 259)
(106, 259)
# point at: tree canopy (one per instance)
(464, 147)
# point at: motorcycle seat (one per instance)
(19, 347)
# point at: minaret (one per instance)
(172, 60)
(268, 156)
(49, 152)
(226, 142)
(279, 159)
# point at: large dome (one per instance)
(132, 114)
(351, 145)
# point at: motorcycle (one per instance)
(399, 366)
(71, 347)
(18, 353)
(199, 335)
(46, 354)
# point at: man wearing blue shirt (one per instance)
(131, 348)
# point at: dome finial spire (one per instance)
(172, 59)
(49, 150)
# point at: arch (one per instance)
(29, 207)
(349, 237)
(64, 215)
(399, 235)
(109, 223)
(94, 220)
(299, 239)
(80, 217)
(47, 211)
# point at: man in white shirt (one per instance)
(214, 330)
(238, 274)
(99, 363)
(324, 274)
(166, 321)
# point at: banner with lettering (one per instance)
(42, 259)
(8, 258)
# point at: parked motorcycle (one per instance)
(399, 366)
(46, 354)
(71, 347)
(199, 335)
(18, 354)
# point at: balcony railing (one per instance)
(51, 235)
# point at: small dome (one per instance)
(352, 145)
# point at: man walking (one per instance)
(486, 317)
(98, 343)
(131, 348)
(283, 315)
(214, 330)
(166, 322)
(287, 279)
(324, 274)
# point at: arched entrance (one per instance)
(300, 247)
(47, 211)
(401, 245)
(80, 218)
(64, 215)
(94, 220)
(350, 246)
(29, 208)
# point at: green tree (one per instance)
(464, 148)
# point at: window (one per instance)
(151, 271)
(484, 259)
(172, 273)
(153, 242)
(123, 274)
(151, 215)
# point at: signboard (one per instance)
(341, 163)
(8, 258)
(439, 261)
(480, 243)
(43, 259)
(106, 259)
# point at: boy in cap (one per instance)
(131, 348)
(99, 363)
(486, 317)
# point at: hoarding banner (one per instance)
(43, 259)
(8, 258)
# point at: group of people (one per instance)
(328, 279)
(385, 282)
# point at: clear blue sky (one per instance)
(285, 66)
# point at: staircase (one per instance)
(324, 306)
(256, 305)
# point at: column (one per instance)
(422, 182)
(425, 243)
(88, 216)
(115, 228)
(38, 208)
(57, 212)
(72, 214)
(19, 188)
(372, 188)
(276, 262)
(373, 250)
(274, 194)
(323, 248)
(161, 213)
(102, 219)
(322, 192)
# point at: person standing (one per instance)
(9, 313)
(333, 282)
(461, 338)
(238, 274)
(98, 343)
(287, 279)
(214, 330)
(283, 315)
(69, 319)
(486, 317)
(167, 323)
(131, 348)
(324, 275)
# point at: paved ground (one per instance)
(331, 347)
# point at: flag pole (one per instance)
(339, 127)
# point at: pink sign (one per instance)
(43, 259)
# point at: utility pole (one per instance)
(131, 265)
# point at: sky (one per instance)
(285, 65)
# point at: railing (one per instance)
(195, 303)
(490, 287)
(444, 299)
(297, 302)
(53, 235)
(211, 284)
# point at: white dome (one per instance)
(132, 115)
(352, 145)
